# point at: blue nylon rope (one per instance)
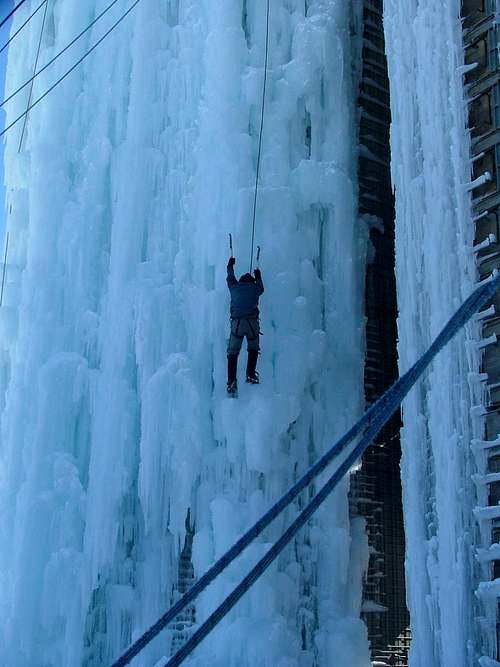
(397, 394)
(374, 418)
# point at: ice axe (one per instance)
(258, 257)
(231, 244)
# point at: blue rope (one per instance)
(373, 419)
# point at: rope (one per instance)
(373, 419)
(237, 593)
(22, 26)
(58, 55)
(4, 268)
(4, 21)
(32, 81)
(85, 55)
(260, 137)
(393, 399)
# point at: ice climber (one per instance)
(245, 294)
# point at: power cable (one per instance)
(4, 21)
(58, 55)
(260, 137)
(2, 49)
(85, 55)
(372, 421)
(34, 70)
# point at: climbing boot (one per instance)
(232, 369)
(232, 388)
(252, 375)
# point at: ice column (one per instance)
(435, 273)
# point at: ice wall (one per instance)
(113, 415)
(435, 272)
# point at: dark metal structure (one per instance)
(481, 34)
(376, 488)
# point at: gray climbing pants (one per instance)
(244, 327)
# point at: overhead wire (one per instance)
(34, 70)
(79, 61)
(14, 10)
(2, 49)
(257, 171)
(58, 55)
(12, 37)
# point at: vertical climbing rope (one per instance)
(260, 137)
(34, 71)
(4, 267)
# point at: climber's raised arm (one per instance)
(258, 281)
(231, 278)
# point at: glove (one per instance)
(257, 273)
(232, 262)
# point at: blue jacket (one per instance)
(244, 294)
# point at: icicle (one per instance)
(481, 180)
(485, 444)
(485, 314)
(491, 238)
(491, 340)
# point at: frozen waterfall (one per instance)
(113, 414)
